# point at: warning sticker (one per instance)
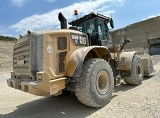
(50, 49)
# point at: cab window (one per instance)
(90, 26)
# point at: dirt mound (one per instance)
(155, 59)
(139, 33)
(6, 55)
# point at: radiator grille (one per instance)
(21, 57)
(61, 61)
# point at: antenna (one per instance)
(111, 13)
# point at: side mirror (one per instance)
(111, 23)
(125, 42)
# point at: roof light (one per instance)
(75, 12)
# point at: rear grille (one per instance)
(61, 61)
(21, 57)
(62, 47)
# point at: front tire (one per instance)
(97, 83)
(137, 72)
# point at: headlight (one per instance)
(39, 77)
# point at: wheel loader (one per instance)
(83, 58)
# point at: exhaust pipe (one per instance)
(63, 21)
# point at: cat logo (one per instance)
(82, 40)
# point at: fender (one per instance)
(75, 63)
(125, 61)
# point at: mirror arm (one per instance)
(125, 42)
(122, 47)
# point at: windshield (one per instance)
(95, 26)
(87, 27)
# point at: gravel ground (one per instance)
(127, 102)
(6, 55)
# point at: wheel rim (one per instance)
(139, 70)
(102, 82)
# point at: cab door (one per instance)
(102, 29)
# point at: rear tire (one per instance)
(137, 72)
(97, 83)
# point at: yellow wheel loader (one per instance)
(83, 58)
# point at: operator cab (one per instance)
(95, 25)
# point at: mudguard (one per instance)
(75, 63)
(125, 61)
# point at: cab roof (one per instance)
(92, 15)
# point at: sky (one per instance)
(19, 16)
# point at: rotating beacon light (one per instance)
(76, 13)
